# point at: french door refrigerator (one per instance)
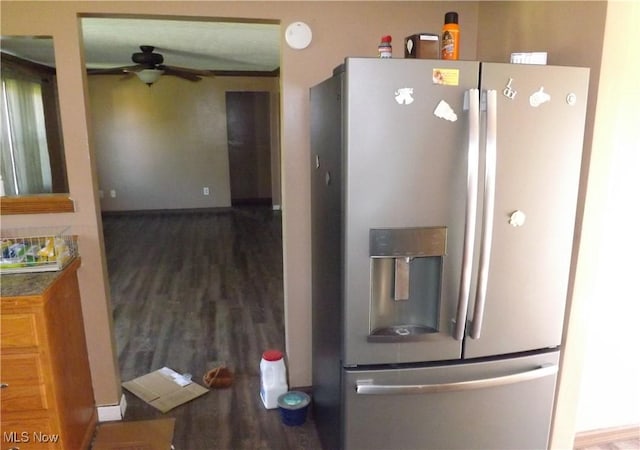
(443, 203)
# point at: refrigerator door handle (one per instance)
(470, 212)
(487, 215)
(366, 387)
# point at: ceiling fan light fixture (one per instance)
(149, 76)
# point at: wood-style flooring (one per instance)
(196, 290)
(626, 444)
(618, 438)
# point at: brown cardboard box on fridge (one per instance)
(136, 435)
(422, 46)
(164, 389)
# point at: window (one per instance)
(25, 164)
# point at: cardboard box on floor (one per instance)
(136, 435)
(164, 389)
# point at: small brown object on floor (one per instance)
(218, 378)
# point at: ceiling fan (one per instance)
(149, 67)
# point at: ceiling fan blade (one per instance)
(181, 74)
(208, 60)
(127, 75)
(114, 70)
(199, 72)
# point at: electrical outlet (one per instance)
(112, 193)
(205, 191)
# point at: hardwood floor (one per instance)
(617, 438)
(627, 444)
(193, 291)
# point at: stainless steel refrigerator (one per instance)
(443, 204)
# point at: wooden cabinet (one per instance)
(46, 400)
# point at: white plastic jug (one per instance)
(273, 378)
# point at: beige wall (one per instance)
(609, 394)
(339, 29)
(158, 146)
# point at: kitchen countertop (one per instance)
(29, 284)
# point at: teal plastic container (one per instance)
(293, 406)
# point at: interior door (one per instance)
(540, 122)
(249, 144)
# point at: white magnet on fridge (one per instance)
(404, 96)
(509, 92)
(572, 99)
(517, 218)
(539, 97)
(445, 111)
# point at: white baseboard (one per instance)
(112, 412)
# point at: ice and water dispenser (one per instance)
(406, 282)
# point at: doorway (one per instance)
(192, 287)
(248, 135)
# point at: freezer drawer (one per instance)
(493, 405)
